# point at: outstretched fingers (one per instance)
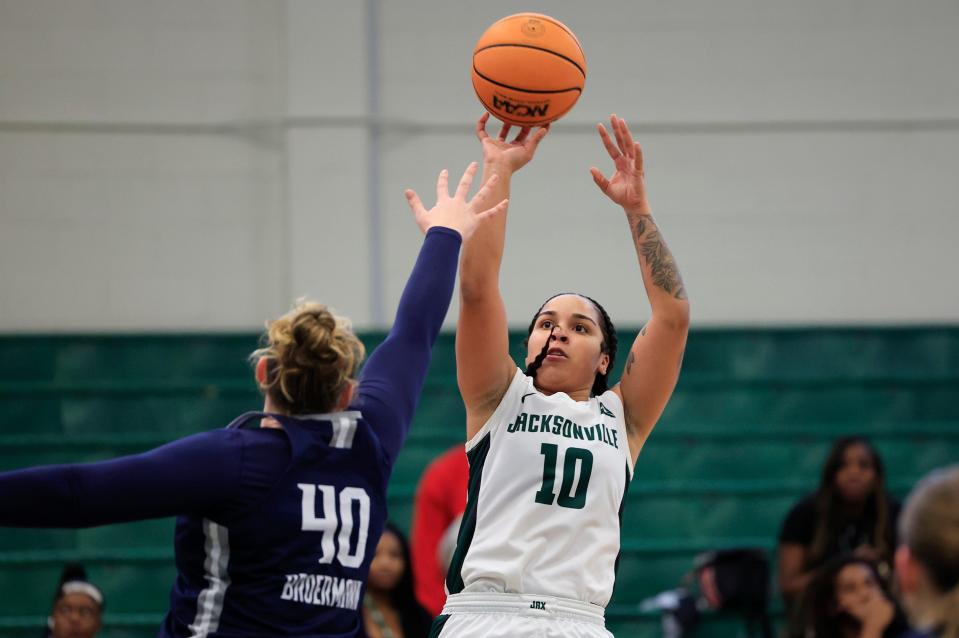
(599, 178)
(638, 157)
(608, 142)
(481, 133)
(465, 182)
(538, 136)
(419, 211)
(416, 205)
(619, 131)
(443, 186)
(489, 213)
(630, 146)
(484, 190)
(627, 134)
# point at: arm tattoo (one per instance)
(660, 259)
(629, 362)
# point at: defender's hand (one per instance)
(455, 212)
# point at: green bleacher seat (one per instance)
(140, 357)
(129, 585)
(115, 626)
(783, 403)
(148, 534)
(14, 539)
(24, 413)
(640, 577)
(817, 353)
(651, 627)
(743, 438)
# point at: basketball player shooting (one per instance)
(552, 447)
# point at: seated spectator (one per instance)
(77, 606)
(847, 599)
(927, 562)
(850, 513)
(390, 609)
(440, 502)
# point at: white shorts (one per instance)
(493, 615)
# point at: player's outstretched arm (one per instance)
(484, 368)
(393, 377)
(200, 474)
(654, 360)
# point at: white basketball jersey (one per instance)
(547, 484)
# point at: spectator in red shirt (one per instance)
(440, 501)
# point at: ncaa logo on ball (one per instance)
(533, 28)
(515, 108)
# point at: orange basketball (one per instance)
(528, 69)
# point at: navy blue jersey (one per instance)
(276, 527)
(294, 559)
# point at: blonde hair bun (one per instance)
(312, 354)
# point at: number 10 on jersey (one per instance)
(575, 458)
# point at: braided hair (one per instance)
(608, 347)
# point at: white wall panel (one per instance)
(780, 228)
(185, 165)
(701, 61)
(135, 61)
(329, 232)
(128, 232)
(327, 58)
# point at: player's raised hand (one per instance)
(511, 156)
(627, 186)
(456, 212)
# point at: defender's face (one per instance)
(575, 349)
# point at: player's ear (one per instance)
(603, 366)
(260, 371)
(346, 396)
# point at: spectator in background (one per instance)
(850, 513)
(440, 502)
(390, 609)
(847, 599)
(77, 606)
(927, 562)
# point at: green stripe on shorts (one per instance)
(438, 625)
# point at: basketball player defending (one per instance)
(552, 448)
(278, 523)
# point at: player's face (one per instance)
(856, 478)
(856, 587)
(388, 564)
(75, 616)
(575, 350)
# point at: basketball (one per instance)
(528, 69)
